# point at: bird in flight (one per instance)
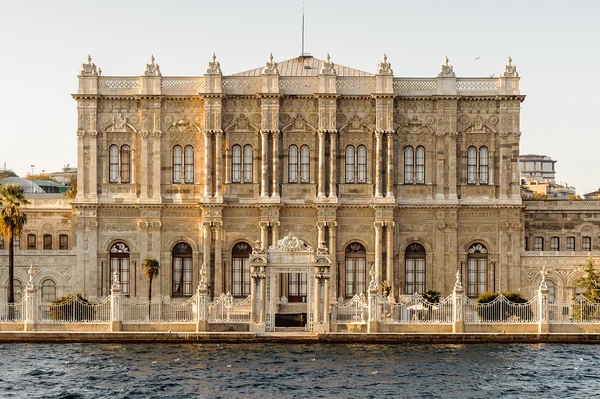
(476, 58)
(492, 75)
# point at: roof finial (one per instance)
(384, 68)
(152, 58)
(89, 58)
(384, 57)
(447, 60)
(214, 66)
(328, 58)
(447, 70)
(270, 57)
(510, 70)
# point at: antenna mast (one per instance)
(302, 28)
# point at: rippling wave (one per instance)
(297, 371)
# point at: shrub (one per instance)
(432, 296)
(499, 311)
(70, 308)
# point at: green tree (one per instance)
(12, 220)
(72, 192)
(590, 282)
(151, 268)
(7, 173)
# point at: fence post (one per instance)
(458, 323)
(201, 304)
(373, 324)
(544, 323)
(31, 303)
(116, 302)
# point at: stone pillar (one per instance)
(156, 164)
(254, 298)
(81, 166)
(390, 165)
(218, 164)
(144, 166)
(275, 228)
(373, 323)
(378, 252)
(275, 164)
(207, 165)
(317, 304)
(544, 323)
(227, 166)
(320, 233)
(325, 301)
(263, 302)
(264, 189)
(93, 167)
(452, 165)
(31, 303)
(458, 293)
(218, 288)
(201, 304)
(440, 157)
(264, 234)
(333, 257)
(321, 183)
(389, 250)
(206, 261)
(378, 150)
(333, 164)
(116, 309)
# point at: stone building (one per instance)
(413, 177)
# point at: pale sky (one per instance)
(554, 45)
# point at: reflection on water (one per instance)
(297, 371)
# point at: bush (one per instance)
(68, 308)
(432, 296)
(499, 311)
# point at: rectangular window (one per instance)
(538, 244)
(47, 242)
(293, 165)
(236, 164)
(408, 165)
(121, 264)
(554, 244)
(420, 166)
(355, 276)
(477, 276)
(415, 276)
(586, 243)
(189, 164)
(16, 243)
(31, 241)
(304, 165)
(570, 243)
(247, 164)
(241, 277)
(182, 276)
(63, 242)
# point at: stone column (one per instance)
(93, 167)
(332, 164)
(264, 189)
(144, 163)
(263, 302)
(317, 304)
(451, 152)
(439, 169)
(378, 264)
(457, 308)
(218, 259)
(503, 169)
(320, 233)
(390, 165)
(227, 166)
(156, 164)
(81, 166)
(321, 183)
(389, 250)
(218, 164)
(207, 165)
(264, 237)
(254, 298)
(275, 227)
(325, 300)
(275, 164)
(378, 149)
(333, 255)
(206, 261)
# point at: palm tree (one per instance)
(12, 220)
(151, 267)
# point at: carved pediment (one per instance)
(299, 124)
(291, 243)
(183, 125)
(415, 126)
(356, 124)
(243, 124)
(119, 124)
(479, 126)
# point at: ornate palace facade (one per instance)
(415, 177)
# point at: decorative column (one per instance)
(275, 228)
(264, 237)
(218, 288)
(332, 164)
(389, 250)
(373, 323)
(218, 164)
(93, 142)
(206, 261)
(144, 163)
(544, 325)
(263, 297)
(326, 300)
(378, 149)
(275, 163)
(81, 166)
(156, 164)
(116, 314)
(253, 297)
(317, 304)
(207, 165)
(201, 303)
(457, 297)
(378, 252)
(321, 189)
(452, 165)
(320, 233)
(333, 255)
(227, 166)
(264, 189)
(390, 165)
(30, 319)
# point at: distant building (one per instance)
(28, 186)
(593, 195)
(557, 191)
(64, 176)
(538, 168)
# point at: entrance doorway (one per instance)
(297, 287)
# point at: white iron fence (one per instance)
(355, 311)
(12, 312)
(226, 309)
(74, 310)
(579, 310)
(416, 309)
(501, 310)
(159, 310)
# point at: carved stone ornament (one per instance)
(242, 123)
(479, 126)
(415, 126)
(291, 243)
(270, 67)
(119, 124)
(356, 123)
(88, 69)
(214, 67)
(299, 123)
(385, 68)
(447, 70)
(152, 69)
(328, 66)
(183, 125)
(510, 70)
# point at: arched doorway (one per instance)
(119, 262)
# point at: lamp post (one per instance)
(32, 166)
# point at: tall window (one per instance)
(293, 161)
(299, 162)
(554, 244)
(16, 243)
(297, 287)
(304, 164)
(356, 164)
(183, 165)
(63, 242)
(47, 242)
(48, 290)
(31, 241)
(586, 243)
(236, 164)
(570, 244)
(182, 270)
(119, 164)
(414, 165)
(119, 261)
(477, 265)
(241, 269)
(247, 163)
(477, 165)
(177, 164)
(538, 244)
(189, 164)
(356, 260)
(414, 269)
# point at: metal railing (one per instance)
(416, 309)
(226, 309)
(12, 312)
(579, 310)
(355, 311)
(501, 310)
(74, 310)
(159, 310)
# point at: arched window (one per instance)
(477, 165)
(48, 290)
(119, 262)
(356, 264)
(293, 164)
(241, 269)
(236, 164)
(586, 243)
(420, 166)
(409, 171)
(182, 269)
(125, 164)
(350, 163)
(304, 164)
(551, 290)
(177, 164)
(17, 289)
(63, 242)
(248, 164)
(570, 244)
(47, 242)
(477, 265)
(554, 244)
(31, 241)
(361, 164)
(538, 244)
(414, 261)
(189, 164)
(113, 155)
